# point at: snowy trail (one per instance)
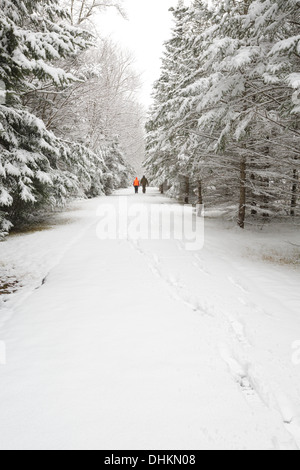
(139, 345)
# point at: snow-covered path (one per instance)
(143, 345)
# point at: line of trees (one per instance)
(69, 118)
(224, 128)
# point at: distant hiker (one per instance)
(144, 183)
(136, 185)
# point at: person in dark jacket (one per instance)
(144, 183)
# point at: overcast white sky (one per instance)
(148, 26)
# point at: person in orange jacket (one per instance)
(136, 185)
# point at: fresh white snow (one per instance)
(142, 344)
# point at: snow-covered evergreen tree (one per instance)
(103, 104)
(161, 142)
(118, 170)
(36, 168)
(34, 34)
(232, 118)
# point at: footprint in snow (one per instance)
(237, 284)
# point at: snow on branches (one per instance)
(40, 169)
(227, 104)
(33, 34)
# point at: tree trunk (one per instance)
(294, 193)
(265, 183)
(265, 198)
(242, 205)
(200, 195)
(187, 190)
(253, 203)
